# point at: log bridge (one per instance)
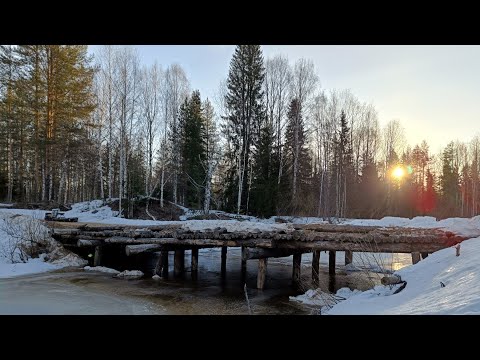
(256, 244)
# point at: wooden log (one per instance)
(415, 257)
(331, 262)
(316, 267)
(158, 266)
(362, 246)
(224, 260)
(179, 262)
(259, 253)
(97, 259)
(297, 263)
(194, 259)
(262, 273)
(391, 280)
(244, 261)
(164, 256)
(85, 242)
(348, 257)
(142, 248)
(191, 242)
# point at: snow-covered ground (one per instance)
(443, 283)
(59, 258)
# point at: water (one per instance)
(73, 291)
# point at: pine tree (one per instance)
(245, 104)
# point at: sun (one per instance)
(398, 173)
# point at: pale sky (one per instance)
(433, 90)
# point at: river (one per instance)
(75, 291)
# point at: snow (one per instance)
(469, 227)
(130, 274)
(317, 297)
(58, 257)
(101, 269)
(33, 266)
(424, 293)
(2, 205)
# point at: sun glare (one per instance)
(398, 173)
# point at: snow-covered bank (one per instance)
(441, 284)
(15, 230)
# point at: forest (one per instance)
(76, 127)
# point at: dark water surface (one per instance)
(73, 291)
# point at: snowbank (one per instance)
(460, 226)
(57, 257)
(441, 284)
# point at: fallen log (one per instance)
(142, 248)
(391, 280)
(88, 242)
(258, 253)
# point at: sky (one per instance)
(433, 90)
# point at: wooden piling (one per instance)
(331, 262)
(194, 259)
(297, 262)
(316, 267)
(348, 257)
(179, 262)
(224, 260)
(158, 266)
(97, 259)
(262, 273)
(415, 257)
(244, 261)
(164, 256)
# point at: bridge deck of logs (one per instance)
(256, 244)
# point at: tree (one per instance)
(245, 105)
(297, 157)
(449, 181)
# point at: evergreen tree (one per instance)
(265, 179)
(297, 159)
(245, 106)
(193, 147)
(449, 181)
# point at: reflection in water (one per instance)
(204, 292)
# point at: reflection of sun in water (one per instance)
(398, 173)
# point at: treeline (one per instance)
(75, 128)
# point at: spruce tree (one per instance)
(193, 151)
(297, 159)
(245, 106)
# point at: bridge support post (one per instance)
(415, 257)
(159, 266)
(179, 262)
(164, 257)
(224, 260)
(316, 267)
(297, 262)
(348, 257)
(194, 260)
(244, 261)
(97, 259)
(331, 262)
(262, 273)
